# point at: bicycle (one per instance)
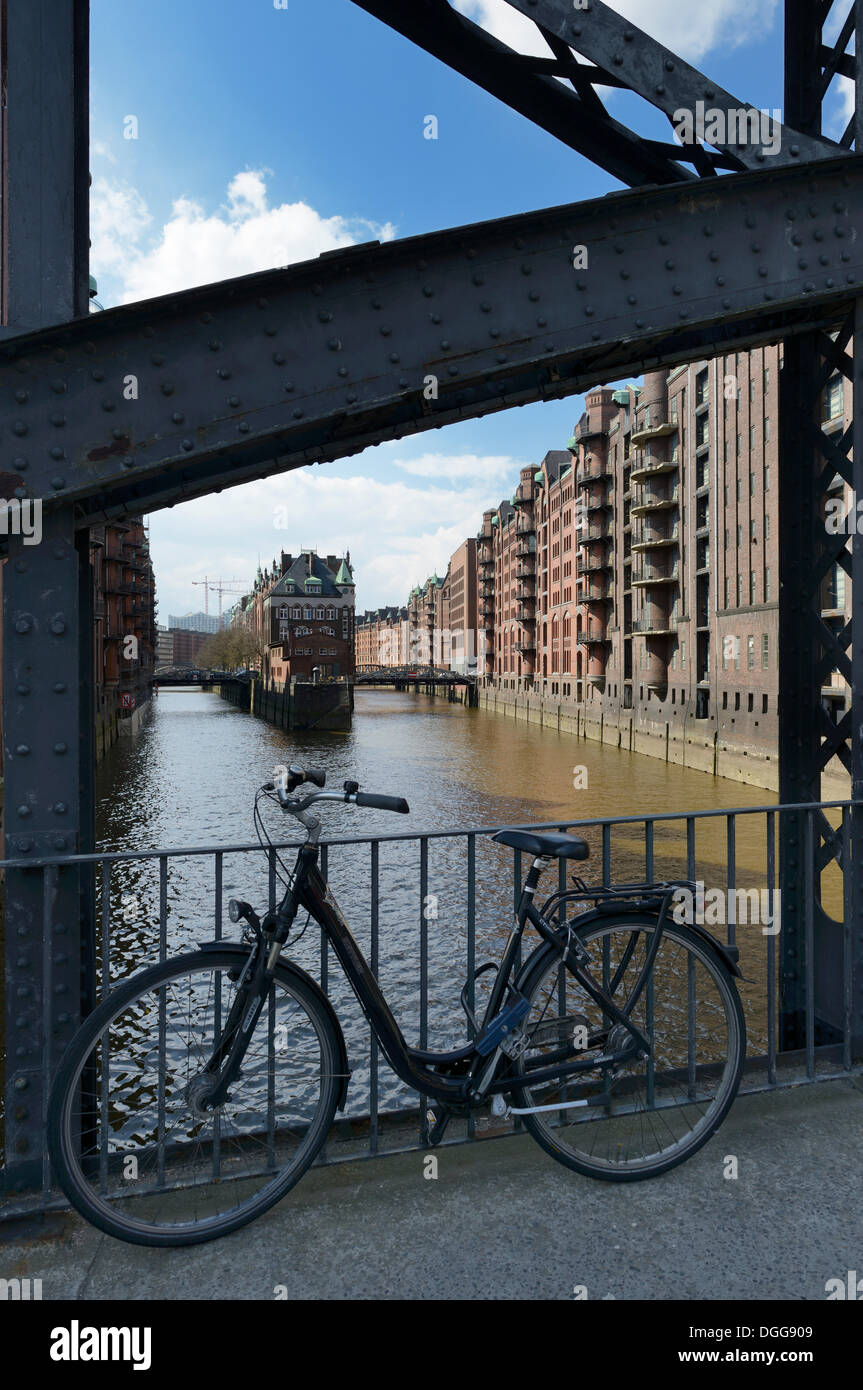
(619, 1042)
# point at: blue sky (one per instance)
(266, 135)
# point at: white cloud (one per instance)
(195, 247)
(118, 219)
(691, 30)
(398, 532)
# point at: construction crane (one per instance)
(220, 587)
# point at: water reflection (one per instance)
(191, 777)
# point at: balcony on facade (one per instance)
(647, 537)
(645, 469)
(526, 567)
(591, 563)
(593, 636)
(525, 645)
(646, 575)
(594, 472)
(649, 498)
(525, 590)
(525, 544)
(598, 593)
(661, 625)
(648, 433)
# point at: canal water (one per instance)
(189, 780)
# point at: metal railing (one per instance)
(425, 907)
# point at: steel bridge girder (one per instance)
(145, 405)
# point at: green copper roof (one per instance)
(572, 443)
(538, 476)
(344, 575)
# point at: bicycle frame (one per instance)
(433, 1074)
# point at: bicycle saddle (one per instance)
(554, 844)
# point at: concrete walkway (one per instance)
(502, 1220)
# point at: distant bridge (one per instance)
(420, 678)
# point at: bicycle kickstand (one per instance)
(437, 1118)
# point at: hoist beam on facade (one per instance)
(146, 405)
(564, 94)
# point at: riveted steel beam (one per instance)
(563, 94)
(143, 406)
(672, 85)
(821, 998)
(47, 591)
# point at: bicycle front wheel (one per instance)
(134, 1147)
(646, 1115)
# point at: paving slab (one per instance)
(502, 1221)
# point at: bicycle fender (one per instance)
(290, 968)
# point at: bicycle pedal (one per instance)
(437, 1121)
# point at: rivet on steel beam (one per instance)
(188, 445)
(795, 150)
(542, 323)
(24, 623)
(298, 415)
(428, 291)
(57, 483)
(58, 626)
(60, 688)
(97, 376)
(21, 1083)
(157, 359)
(244, 427)
(279, 359)
(22, 750)
(167, 388)
(335, 344)
(24, 846)
(435, 318)
(343, 371)
(445, 344)
(386, 331)
(59, 843)
(215, 345)
(394, 357)
(19, 428)
(324, 316)
(21, 566)
(178, 417)
(20, 464)
(233, 402)
(352, 398)
(108, 406)
(24, 812)
(22, 396)
(59, 808)
(22, 689)
(288, 386)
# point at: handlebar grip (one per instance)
(383, 803)
(313, 775)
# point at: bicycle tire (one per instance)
(67, 1162)
(541, 1126)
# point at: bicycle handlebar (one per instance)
(296, 805)
(382, 803)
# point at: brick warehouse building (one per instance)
(628, 590)
(301, 612)
(437, 627)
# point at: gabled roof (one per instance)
(344, 575)
(293, 581)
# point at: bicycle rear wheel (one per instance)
(132, 1145)
(647, 1115)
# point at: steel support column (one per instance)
(47, 618)
(812, 646)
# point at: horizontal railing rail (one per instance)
(427, 905)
